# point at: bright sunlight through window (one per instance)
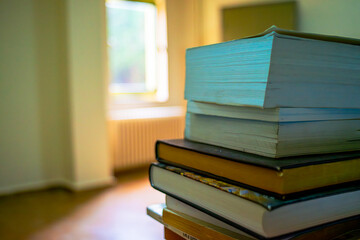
(137, 49)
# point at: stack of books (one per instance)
(272, 142)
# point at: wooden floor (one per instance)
(118, 212)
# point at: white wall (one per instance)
(181, 29)
(53, 90)
(52, 95)
(20, 137)
(87, 84)
(334, 17)
(52, 85)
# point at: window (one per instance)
(137, 51)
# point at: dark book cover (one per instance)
(281, 167)
(257, 160)
(268, 202)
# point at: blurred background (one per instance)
(86, 88)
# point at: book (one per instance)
(277, 68)
(171, 235)
(273, 114)
(256, 214)
(350, 235)
(333, 230)
(286, 178)
(274, 139)
(184, 224)
(199, 229)
(155, 211)
(191, 222)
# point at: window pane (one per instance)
(131, 41)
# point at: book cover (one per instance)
(332, 230)
(256, 214)
(199, 229)
(286, 178)
(268, 202)
(173, 235)
(178, 225)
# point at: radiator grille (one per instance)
(133, 140)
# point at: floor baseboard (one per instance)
(57, 183)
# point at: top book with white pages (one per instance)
(278, 68)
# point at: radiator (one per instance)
(133, 140)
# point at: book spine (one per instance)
(180, 233)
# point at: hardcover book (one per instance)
(341, 229)
(273, 114)
(199, 229)
(172, 235)
(274, 139)
(192, 222)
(286, 178)
(256, 214)
(278, 68)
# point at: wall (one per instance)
(87, 89)
(53, 89)
(20, 138)
(243, 21)
(182, 34)
(52, 85)
(52, 95)
(334, 17)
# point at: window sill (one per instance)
(146, 113)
